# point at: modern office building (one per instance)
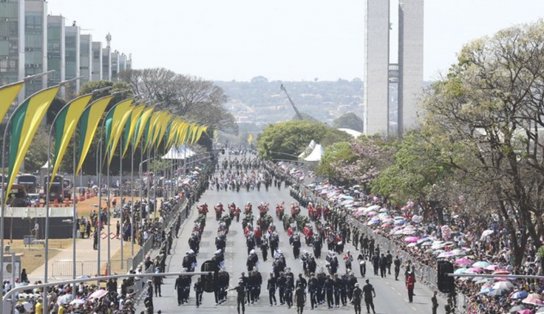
(115, 65)
(106, 59)
(35, 44)
(31, 42)
(85, 58)
(72, 56)
(410, 61)
(12, 41)
(376, 76)
(122, 63)
(384, 113)
(96, 61)
(55, 49)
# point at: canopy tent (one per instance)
(351, 132)
(180, 152)
(307, 150)
(316, 154)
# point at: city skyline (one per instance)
(281, 40)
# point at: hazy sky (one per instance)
(280, 39)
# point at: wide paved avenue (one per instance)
(391, 295)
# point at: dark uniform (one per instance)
(369, 294)
(357, 298)
(241, 296)
(300, 299)
(271, 286)
(199, 290)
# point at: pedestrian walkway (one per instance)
(60, 265)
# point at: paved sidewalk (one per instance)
(60, 265)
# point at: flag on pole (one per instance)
(164, 124)
(113, 119)
(24, 123)
(131, 127)
(65, 126)
(143, 121)
(118, 131)
(88, 123)
(250, 138)
(8, 93)
(201, 130)
(151, 129)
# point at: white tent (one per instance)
(180, 152)
(316, 154)
(308, 150)
(351, 132)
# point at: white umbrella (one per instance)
(486, 234)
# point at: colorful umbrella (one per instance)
(480, 264)
(463, 261)
(411, 239)
(522, 294)
(492, 267)
(533, 298)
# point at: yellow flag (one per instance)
(8, 93)
(142, 122)
(24, 123)
(65, 126)
(119, 131)
(134, 116)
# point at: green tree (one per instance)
(191, 97)
(286, 140)
(349, 120)
(335, 155)
(490, 106)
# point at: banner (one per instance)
(8, 93)
(65, 126)
(87, 127)
(24, 123)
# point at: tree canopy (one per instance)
(286, 140)
(479, 151)
(191, 97)
(349, 120)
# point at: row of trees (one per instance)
(478, 150)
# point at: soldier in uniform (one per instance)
(397, 263)
(312, 289)
(300, 298)
(240, 296)
(199, 290)
(271, 286)
(357, 297)
(370, 294)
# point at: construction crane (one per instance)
(299, 116)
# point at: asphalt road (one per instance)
(391, 295)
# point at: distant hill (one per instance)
(260, 102)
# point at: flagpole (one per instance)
(74, 211)
(47, 188)
(2, 197)
(100, 142)
(132, 201)
(121, 194)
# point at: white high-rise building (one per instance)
(376, 76)
(382, 115)
(410, 62)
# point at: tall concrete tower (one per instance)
(376, 77)
(385, 113)
(410, 62)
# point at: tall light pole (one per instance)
(47, 188)
(3, 196)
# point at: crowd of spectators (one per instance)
(480, 239)
(113, 296)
